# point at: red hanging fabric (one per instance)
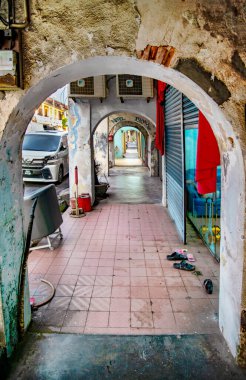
(159, 139)
(208, 157)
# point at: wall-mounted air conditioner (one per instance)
(91, 87)
(134, 86)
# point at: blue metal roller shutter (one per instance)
(174, 150)
(190, 114)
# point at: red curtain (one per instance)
(208, 157)
(159, 139)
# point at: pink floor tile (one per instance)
(83, 291)
(152, 263)
(121, 263)
(154, 272)
(119, 319)
(71, 269)
(107, 255)
(86, 280)
(79, 303)
(121, 271)
(93, 255)
(61, 303)
(137, 263)
(64, 290)
(120, 304)
(56, 269)
(139, 281)
(97, 319)
(88, 271)
(121, 281)
(112, 276)
(174, 281)
(158, 292)
(141, 319)
(99, 304)
(162, 305)
(104, 280)
(171, 272)
(156, 281)
(181, 305)
(120, 292)
(68, 279)
(135, 272)
(101, 291)
(140, 304)
(139, 292)
(176, 292)
(90, 262)
(105, 271)
(106, 262)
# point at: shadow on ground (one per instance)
(70, 356)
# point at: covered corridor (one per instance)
(111, 273)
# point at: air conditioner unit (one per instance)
(91, 87)
(134, 86)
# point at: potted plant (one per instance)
(100, 187)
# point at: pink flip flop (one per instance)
(190, 257)
(182, 250)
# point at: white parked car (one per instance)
(45, 156)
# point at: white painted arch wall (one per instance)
(233, 177)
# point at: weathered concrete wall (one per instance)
(80, 152)
(100, 141)
(208, 37)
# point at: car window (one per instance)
(41, 143)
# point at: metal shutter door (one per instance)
(190, 114)
(174, 141)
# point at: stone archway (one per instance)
(233, 185)
(141, 129)
(117, 120)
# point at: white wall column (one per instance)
(80, 147)
(100, 143)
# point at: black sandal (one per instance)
(208, 285)
(176, 256)
(184, 266)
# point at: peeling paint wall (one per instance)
(209, 36)
(80, 153)
(100, 141)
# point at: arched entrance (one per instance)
(106, 128)
(232, 223)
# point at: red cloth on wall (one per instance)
(159, 138)
(208, 157)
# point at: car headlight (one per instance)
(51, 158)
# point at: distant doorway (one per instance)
(129, 147)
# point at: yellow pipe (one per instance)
(27, 19)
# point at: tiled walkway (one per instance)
(111, 276)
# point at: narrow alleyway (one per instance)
(133, 185)
(130, 157)
(111, 273)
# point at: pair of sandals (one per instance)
(183, 265)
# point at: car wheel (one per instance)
(60, 175)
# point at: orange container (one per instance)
(84, 202)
